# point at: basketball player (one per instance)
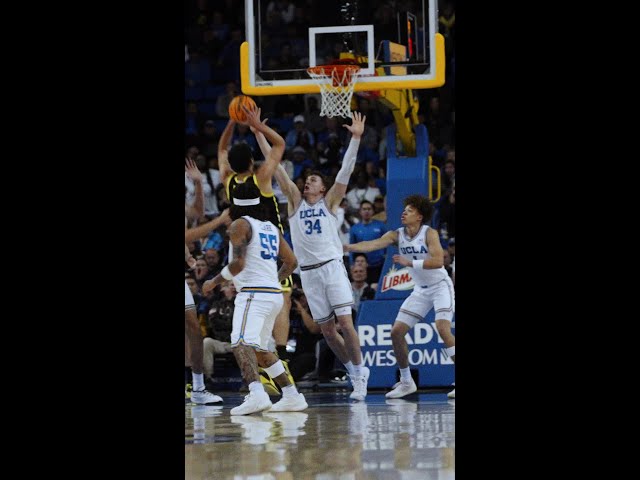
(237, 167)
(420, 251)
(256, 244)
(199, 394)
(314, 232)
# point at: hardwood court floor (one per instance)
(334, 439)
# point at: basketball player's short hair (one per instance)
(247, 191)
(365, 201)
(422, 204)
(240, 157)
(326, 181)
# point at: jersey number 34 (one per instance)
(312, 226)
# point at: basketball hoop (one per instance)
(337, 92)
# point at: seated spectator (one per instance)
(362, 191)
(242, 134)
(361, 290)
(314, 121)
(332, 127)
(376, 177)
(380, 207)
(298, 132)
(223, 201)
(360, 259)
(368, 151)
(194, 287)
(219, 320)
(344, 222)
(208, 187)
(306, 333)
(451, 247)
(223, 101)
(193, 119)
(194, 249)
(299, 181)
(287, 164)
(208, 142)
(202, 272)
(213, 260)
(368, 107)
(366, 230)
(448, 175)
(300, 161)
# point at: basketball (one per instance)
(235, 108)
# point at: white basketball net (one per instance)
(337, 92)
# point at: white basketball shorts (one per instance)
(439, 296)
(327, 289)
(253, 318)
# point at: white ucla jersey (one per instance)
(416, 249)
(260, 269)
(314, 233)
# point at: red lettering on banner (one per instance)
(395, 279)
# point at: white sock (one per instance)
(349, 366)
(405, 375)
(357, 369)
(198, 381)
(256, 387)
(289, 391)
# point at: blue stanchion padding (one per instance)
(426, 349)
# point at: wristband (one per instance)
(226, 274)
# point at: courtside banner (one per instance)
(395, 282)
(426, 349)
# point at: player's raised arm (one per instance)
(289, 188)
(337, 192)
(223, 152)
(197, 209)
(193, 234)
(272, 160)
(265, 148)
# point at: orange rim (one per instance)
(340, 74)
